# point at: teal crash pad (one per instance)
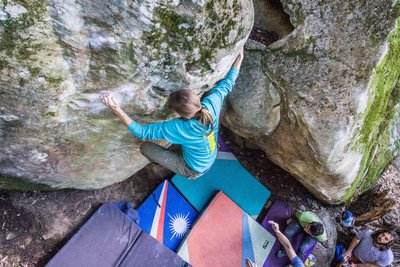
(229, 176)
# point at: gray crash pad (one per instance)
(109, 238)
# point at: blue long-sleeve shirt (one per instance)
(199, 147)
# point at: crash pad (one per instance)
(225, 235)
(109, 238)
(280, 213)
(166, 215)
(229, 176)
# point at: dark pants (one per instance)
(168, 159)
(292, 230)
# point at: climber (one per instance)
(195, 131)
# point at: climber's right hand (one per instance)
(109, 101)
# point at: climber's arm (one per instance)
(110, 102)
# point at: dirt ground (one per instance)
(35, 225)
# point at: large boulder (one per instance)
(336, 76)
(56, 57)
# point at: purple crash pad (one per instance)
(109, 239)
(222, 146)
(280, 213)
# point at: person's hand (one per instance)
(249, 263)
(274, 226)
(109, 101)
(353, 265)
(347, 255)
(240, 56)
(238, 60)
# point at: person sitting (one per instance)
(313, 227)
(370, 248)
(295, 260)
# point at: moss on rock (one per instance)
(54, 80)
(180, 34)
(15, 183)
(12, 28)
(3, 64)
(37, 9)
(35, 71)
(295, 12)
(374, 136)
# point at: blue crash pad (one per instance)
(108, 239)
(229, 176)
(166, 215)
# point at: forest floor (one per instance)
(35, 225)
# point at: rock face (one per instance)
(326, 251)
(57, 57)
(254, 104)
(328, 95)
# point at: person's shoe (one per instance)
(281, 254)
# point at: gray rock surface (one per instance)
(57, 57)
(254, 109)
(335, 128)
(325, 252)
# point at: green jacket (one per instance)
(307, 217)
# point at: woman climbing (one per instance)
(195, 131)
